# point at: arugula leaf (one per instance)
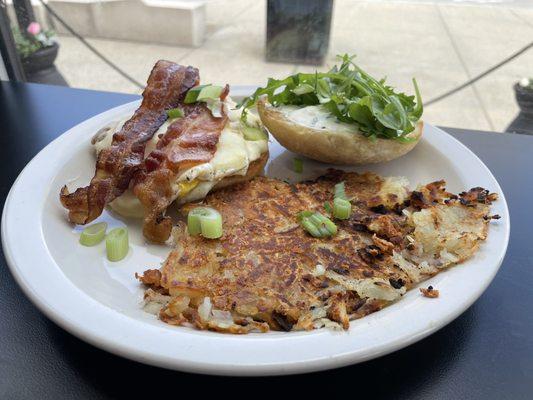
(352, 95)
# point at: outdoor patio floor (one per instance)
(440, 44)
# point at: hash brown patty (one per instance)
(266, 272)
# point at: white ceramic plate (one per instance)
(100, 302)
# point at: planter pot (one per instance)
(523, 123)
(524, 98)
(298, 30)
(39, 67)
(42, 59)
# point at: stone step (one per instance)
(171, 22)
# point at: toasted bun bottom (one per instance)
(135, 210)
(332, 147)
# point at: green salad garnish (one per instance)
(350, 94)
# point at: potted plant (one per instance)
(524, 95)
(523, 123)
(38, 50)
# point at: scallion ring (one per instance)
(327, 223)
(339, 191)
(175, 113)
(210, 92)
(193, 222)
(317, 224)
(205, 221)
(193, 94)
(93, 234)
(342, 208)
(311, 228)
(117, 244)
(203, 93)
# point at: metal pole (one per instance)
(8, 49)
(24, 11)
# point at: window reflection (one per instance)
(244, 42)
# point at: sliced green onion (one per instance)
(193, 94)
(327, 223)
(311, 228)
(210, 92)
(342, 208)
(315, 220)
(327, 207)
(203, 93)
(317, 224)
(193, 222)
(211, 225)
(205, 221)
(94, 234)
(117, 244)
(298, 165)
(304, 214)
(323, 232)
(339, 191)
(175, 113)
(252, 133)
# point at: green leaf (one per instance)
(419, 109)
(351, 95)
(361, 112)
(303, 88)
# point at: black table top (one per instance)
(486, 353)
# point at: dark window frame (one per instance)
(8, 49)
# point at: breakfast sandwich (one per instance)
(183, 141)
(313, 254)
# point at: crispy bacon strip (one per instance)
(189, 141)
(167, 85)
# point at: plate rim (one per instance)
(134, 353)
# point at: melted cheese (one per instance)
(104, 141)
(232, 157)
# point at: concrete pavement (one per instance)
(440, 44)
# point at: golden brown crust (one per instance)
(332, 147)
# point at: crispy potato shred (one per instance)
(429, 292)
(267, 273)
